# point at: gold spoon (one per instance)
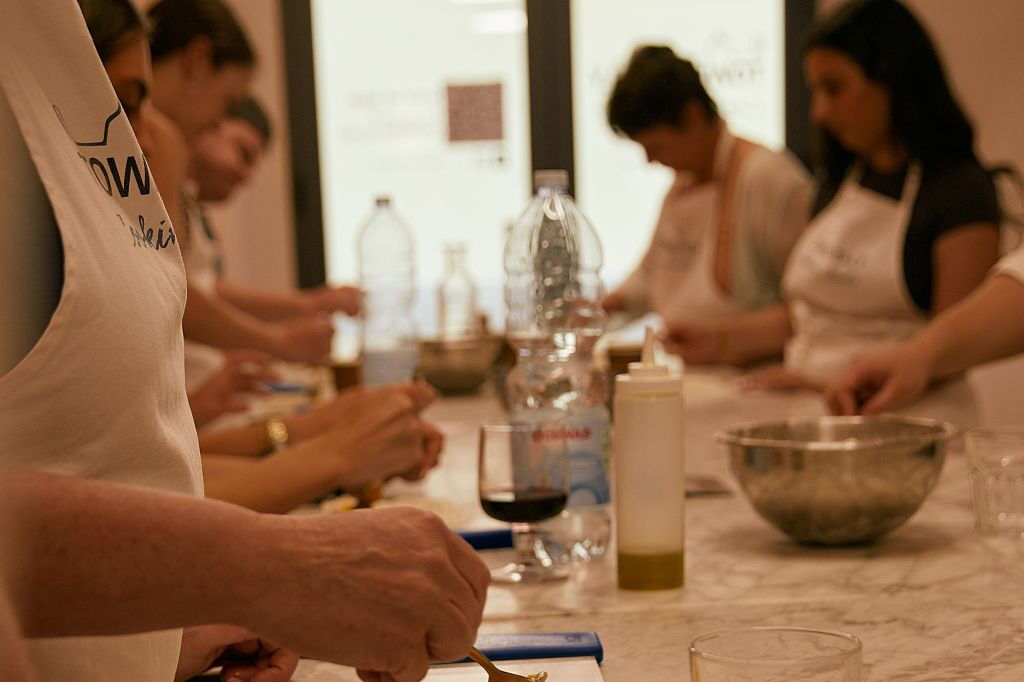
(495, 675)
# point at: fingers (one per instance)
(470, 567)
(422, 394)
(840, 400)
(433, 445)
(370, 676)
(451, 638)
(885, 399)
(257, 660)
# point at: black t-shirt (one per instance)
(950, 196)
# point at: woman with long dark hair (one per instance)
(906, 220)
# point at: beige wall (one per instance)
(256, 226)
(980, 42)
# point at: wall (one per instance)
(257, 226)
(980, 42)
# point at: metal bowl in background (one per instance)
(837, 480)
(454, 367)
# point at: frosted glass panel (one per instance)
(426, 101)
(738, 46)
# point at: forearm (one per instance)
(216, 323)
(242, 441)
(760, 335)
(249, 441)
(266, 305)
(274, 484)
(987, 325)
(101, 558)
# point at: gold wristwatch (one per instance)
(274, 435)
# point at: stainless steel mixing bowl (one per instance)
(837, 480)
(458, 366)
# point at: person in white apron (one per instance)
(845, 283)
(221, 159)
(907, 220)
(91, 387)
(849, 278)
(94, 397)
(986, 326)
(729, 220)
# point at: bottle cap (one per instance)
(383, 200)
(647, 376)
(553, 178)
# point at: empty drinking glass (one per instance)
(775, 654)
(995, 468)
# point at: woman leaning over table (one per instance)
(907, 220)
(988, 325)
(363, 435)
(203, 62)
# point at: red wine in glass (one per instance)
(526, 504)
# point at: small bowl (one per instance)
(837, 480)
(458, 366)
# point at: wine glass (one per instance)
(524, 479)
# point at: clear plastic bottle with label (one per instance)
(553, 290)
(387, 276)
(458, 319)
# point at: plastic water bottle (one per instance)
(456, 298)
(387, 275)
(553, 290)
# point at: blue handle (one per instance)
(496, 538)
(523, 645)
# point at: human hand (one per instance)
(776, 378)
(378, 436)
(243, 371)
(304, 339)
(353, 400)
(881, 381)
(328, 299)
(696, 343)
(614, 302)
(387, 591)
(433, 445)
(242, 654)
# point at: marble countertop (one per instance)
(930, 601)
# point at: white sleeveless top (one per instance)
(101, 394)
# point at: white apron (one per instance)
(101, 394)
(201, 360)
(682, 281)
(845, 284)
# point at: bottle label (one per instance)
(588, 460)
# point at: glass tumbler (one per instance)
(775, 654)
(995, 469)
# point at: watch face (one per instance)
(277, 433)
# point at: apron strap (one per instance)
(725, 236)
